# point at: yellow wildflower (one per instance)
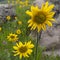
(8, 1)
(15, 17)
(26, 3)
(41, 16)
(19, 22)
(12, 37)
(18, 31)
(0, 28)
(23, 50)
(8, 18)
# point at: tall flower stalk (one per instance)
(37, 41)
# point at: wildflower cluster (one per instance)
(22, 3)
(15, 31)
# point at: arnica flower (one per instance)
(8, 1)
(8, 18)
(22, 3)
(23, 50)
(17, 1)
(18, 31)
(15, 17)
(12, 37)
(20, 6)
(0, 28)
(13, 2)
(40, 17)
(19, 22)
(26, 3)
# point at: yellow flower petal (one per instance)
(16, 54)
(39, 28)
(52, 19)
(29, 21)
(43, 27)
(29, 13)
(50, 8)
(46, 5)
(34, 9)
(15, 47)
(20, 56)
(49, 23)
(30, 24)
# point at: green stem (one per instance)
(22, 58)
(38, 39)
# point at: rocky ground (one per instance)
(6, 10)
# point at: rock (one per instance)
(38, 2)
(50, 38)
(57, 6)
(1, 14)
(54, 53)
(6, 10)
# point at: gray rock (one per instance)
(38, 2)
(6, 10)
(54, 53)
(50, 38)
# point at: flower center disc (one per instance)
(40, 18)
(23, 49)
(12, 37)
